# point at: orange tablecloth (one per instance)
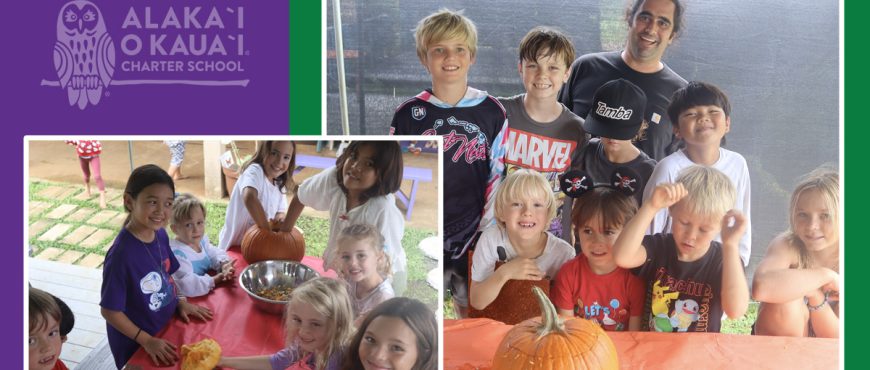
(239, 327)
(471, 344)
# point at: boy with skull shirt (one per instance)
(617, 120)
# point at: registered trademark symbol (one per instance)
(107, 94)
(247, 52)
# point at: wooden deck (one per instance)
(79, 287)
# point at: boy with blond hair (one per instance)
(524, 206)
(542, 134)
(692, 278)
(473, 125)
(195, 254)
(701, 115)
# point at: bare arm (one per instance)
(483, 293)
(825, 322)
(162, 352)
(246, 363)
(634, 323)
(777, 282)
(735, 292)
(627, 249)
(293, 212)
(255, 209)
(565, 313)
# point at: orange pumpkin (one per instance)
(259, 245)
(515, 301)
(551, 342)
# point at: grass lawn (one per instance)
(316, 234)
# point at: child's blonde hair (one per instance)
(183, 205)
(444, 25)
(524, 184)
(285, 181)
(369, 234)
(710, 192)
(329, 298)
(42, 306)
(826, 181)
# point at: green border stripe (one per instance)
(306, 52)
(856, 255)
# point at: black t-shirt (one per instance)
(682, 296)
(474, 147)
(590, 71)
(593, 160)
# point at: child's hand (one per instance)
(222, 277)
(666, 195)
(186, 309)
(162, 352)
(521, 269)
(833, 286)
(229, 267)
(732, 232)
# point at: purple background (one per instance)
(259, 108)
(26, 108)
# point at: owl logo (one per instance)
(84, 55)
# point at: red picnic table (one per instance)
(238, 326)
(471, 344)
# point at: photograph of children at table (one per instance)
(172, 299)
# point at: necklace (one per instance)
(159, 262)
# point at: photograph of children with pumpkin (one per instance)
(596, 219)
(269, 254)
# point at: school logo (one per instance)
(84, 54)
(418, 112)
(154, 41)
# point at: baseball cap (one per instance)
(617, 110)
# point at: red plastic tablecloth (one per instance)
(471, 344)
(240, 328)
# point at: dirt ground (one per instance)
(57, 161)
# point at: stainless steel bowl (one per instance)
(270, 274)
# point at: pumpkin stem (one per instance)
(550, 320)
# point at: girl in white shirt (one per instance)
(359, 189)
(261, 192)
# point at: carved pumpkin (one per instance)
(551, 342)
(259, 245)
